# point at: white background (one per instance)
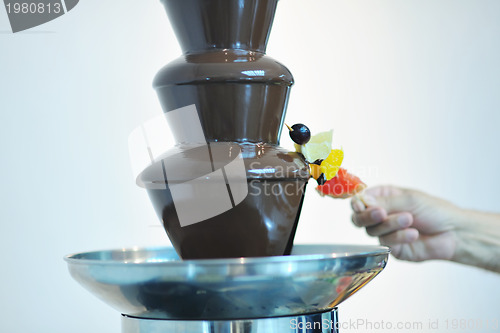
(411, 88)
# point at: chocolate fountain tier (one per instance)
(224, 65)
(154, 283)
(225, 24)
(260, 219)
(240, 95)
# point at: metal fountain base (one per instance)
(157, 292)
(325, 322)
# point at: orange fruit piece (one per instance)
(314, 170)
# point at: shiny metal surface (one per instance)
(154, 283)
(326, 322)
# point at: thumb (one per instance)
(393, 199)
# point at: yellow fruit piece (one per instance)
(314, 170)
(330, 165)
(318, 147)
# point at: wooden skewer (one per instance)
(360, 197)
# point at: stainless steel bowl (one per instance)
(155, 283)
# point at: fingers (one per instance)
(392, 229)
(385, 212)
(404, 236)
(357, 205)
(369, 217)
(392, 199)
(394, 222)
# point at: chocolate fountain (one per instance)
(237, 94)
(228, 195)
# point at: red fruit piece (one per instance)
(343, 284)
(343, 185)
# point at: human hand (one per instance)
(415, 225)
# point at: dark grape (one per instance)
(300, 134)
(321, 180)
(318, 161)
